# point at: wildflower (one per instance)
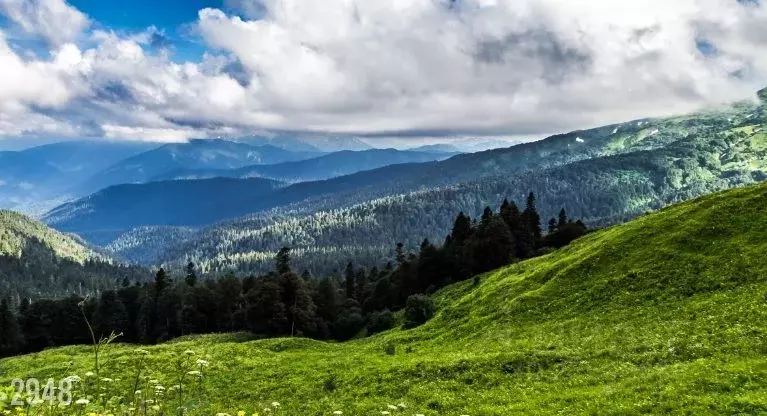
(385, 413)
(189, 352)
(140, 351)
(241, 413)
(275, 404)
(82, 402)
(194, 373)
(89, 374)
(106, 379)
(153, 381)
(392, 407)
(338, 413)
(402, 406)
(72, 379)
(202, 363)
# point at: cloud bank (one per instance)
(399, 67)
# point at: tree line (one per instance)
(284, 302)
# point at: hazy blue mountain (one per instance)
(285, 142)
(103, 211)
(196, 154)
(307, 143)
(437, 148)
(324, 167)
(197, 202)
(35, 176)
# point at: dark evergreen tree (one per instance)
(267, 313)
(493, 245)
(10, 335)
(487, 215)
(297, 298)
(552, 225)
(161, 280)
(282, 261)
(110, 316)
(562, 218)
(349, 276)
(461, 229)
(191, 275)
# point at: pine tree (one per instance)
(493, 245)
(461, 229)
(511, 215)
(400, 254)
(349, 275)
(161, 280)
(10, 336)
(360, 284)
(282, 261)
(532, 221)
(552, 226)
(487, 214)
(110, 316)
(191, 275)
(562, 217)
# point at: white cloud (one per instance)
(54, 20)
(503, 67)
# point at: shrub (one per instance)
(390, 349)
(418, 310)
(381, 321)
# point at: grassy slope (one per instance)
(17, 230)
(665, 314)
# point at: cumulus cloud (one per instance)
(54, 20)
(399, 67)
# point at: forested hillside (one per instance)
(719, 151)
(281, 302)
(665, 312)
(36, 261)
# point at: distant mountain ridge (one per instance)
(604, 175)
(33, 176)
(196, 202)
(364, 186)
(320, 168)
(200, 154)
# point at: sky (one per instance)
(169, 70)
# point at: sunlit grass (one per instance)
(663, 315)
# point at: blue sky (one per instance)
(399, 69)
(171, 17)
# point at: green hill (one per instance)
(663, 315)
(17, 231)
(37, 261)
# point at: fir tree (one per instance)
(349, 275)
(110, 315)
(552, 226)
(282, 261)
(10, 337)
(461, 229)
(562, 218)
(191, 275)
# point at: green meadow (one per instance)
(666, 314)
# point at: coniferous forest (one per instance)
(287, 302)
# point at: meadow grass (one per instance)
(664, 315)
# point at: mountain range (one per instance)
(603, 175)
